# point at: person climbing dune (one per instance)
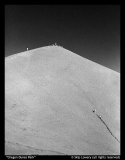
(94, 111)
(99, 116)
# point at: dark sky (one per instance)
(92, 31)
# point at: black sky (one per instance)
(92, 31)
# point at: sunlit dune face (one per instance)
(50, 96)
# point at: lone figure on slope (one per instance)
(94, 111)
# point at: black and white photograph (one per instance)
(62, 80)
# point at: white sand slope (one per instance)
(57, 102)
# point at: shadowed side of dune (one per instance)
(51, 94)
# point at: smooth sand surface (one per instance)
(50, 95)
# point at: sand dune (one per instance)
(57, 102)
